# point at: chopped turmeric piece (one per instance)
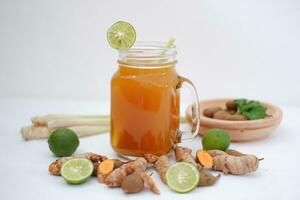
(205, 159)
(106, 166)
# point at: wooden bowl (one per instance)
(239, 131)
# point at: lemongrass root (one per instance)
(35, 132)
(42, 132)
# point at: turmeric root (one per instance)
(184, 154)
(204, 158)
(116, 177)
(149, 182)
(133, 183)
(207, 178)
(216, 152)
(161, 165)
(234, 152)
(54, 167)
(106, 167)
(237, 165)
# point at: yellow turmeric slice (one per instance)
(205, 159)
(106, 166)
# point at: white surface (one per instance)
(24, 165)
(58, 48)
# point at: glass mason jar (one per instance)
(145, 101)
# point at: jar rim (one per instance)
(148, 52)
(148, 46)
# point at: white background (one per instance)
(54, 58)
(58, 50)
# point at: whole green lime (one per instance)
(63, 142)
(216, 139)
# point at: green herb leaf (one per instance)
(251, 109)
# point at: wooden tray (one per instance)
(239, 131)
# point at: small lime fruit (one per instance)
(182, 177)
(63, 142)
(216, 139)
(77, 170)
(121, 35)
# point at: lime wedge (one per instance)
(121, 35)
(182, 177)
(77, 170)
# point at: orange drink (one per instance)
(145, 101)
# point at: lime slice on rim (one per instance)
(182, 177)
(77, 170)
(121, 35)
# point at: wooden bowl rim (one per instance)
(249, 124)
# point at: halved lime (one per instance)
(121, 35)
(77, 170)
(182, 177)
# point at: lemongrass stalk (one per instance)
(68, 122)
(84, 131)
(44, 120)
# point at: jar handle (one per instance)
(195, 111)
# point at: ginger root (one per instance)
(161, 165)
(54, 167)
(237, 165)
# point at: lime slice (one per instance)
(121, 35)
(182, 177)
(77, 170)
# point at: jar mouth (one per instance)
(148, 53)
